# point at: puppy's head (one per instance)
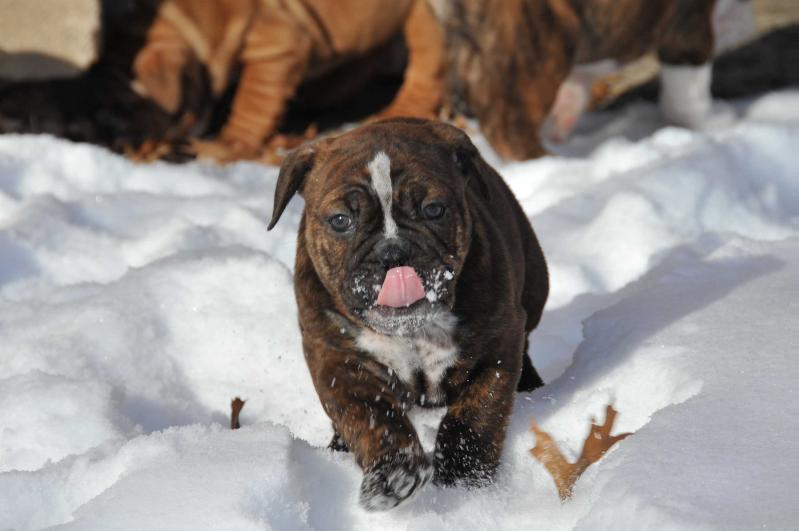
(387, 222)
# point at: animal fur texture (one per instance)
(461, 345)
(279, 44)
(507, 59)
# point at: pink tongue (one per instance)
(402, 287)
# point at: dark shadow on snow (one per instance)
(684, 275)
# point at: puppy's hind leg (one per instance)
(685, 51)
(529, 380)
(337, 443)
(536, 291)
(574, 97)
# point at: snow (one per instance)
(137, 300)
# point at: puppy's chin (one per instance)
(403, 321)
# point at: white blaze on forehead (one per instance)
(380, 171)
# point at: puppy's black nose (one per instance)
(393, 252)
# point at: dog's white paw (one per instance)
(713, 117)
(394, 480)
(685, 99)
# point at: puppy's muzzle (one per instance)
(393, 252)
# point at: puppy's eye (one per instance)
(340, 222)
(433, 210)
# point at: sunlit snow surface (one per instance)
(136, 301)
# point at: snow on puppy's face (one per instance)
(385, 226)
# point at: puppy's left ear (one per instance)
(291, 179)
(475, 170)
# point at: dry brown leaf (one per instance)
(565, 474)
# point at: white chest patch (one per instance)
(380, 171)
(431, 350)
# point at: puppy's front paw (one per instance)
(392, 480)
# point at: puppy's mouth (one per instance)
(406, 302)
(401, 288)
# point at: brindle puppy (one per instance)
(518, 65)
(418, 279)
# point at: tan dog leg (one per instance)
(275, 56)
(421, 91)
(158, 65)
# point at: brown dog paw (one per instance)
(337, 444)
(391, 481)
(464, 456)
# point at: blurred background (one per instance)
(67, 68)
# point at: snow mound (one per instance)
(137, 300)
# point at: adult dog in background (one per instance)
(515, 64)
(418, 279)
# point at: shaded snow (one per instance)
(136, 301)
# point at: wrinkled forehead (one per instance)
(382, 166)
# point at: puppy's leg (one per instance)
(529, 380)
(534, 297)
(471, 435)
(421, 91)
(337, 444)
(574, 96)
(371, 421)
(685, 51)
(275, 56)
(158, 66)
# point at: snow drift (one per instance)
(136, 301)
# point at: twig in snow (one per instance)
(235, 408)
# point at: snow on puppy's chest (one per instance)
(429, 352)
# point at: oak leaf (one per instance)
(565, 474)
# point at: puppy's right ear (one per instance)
(291, 179)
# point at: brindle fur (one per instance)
(507, 58)
(498, 292)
